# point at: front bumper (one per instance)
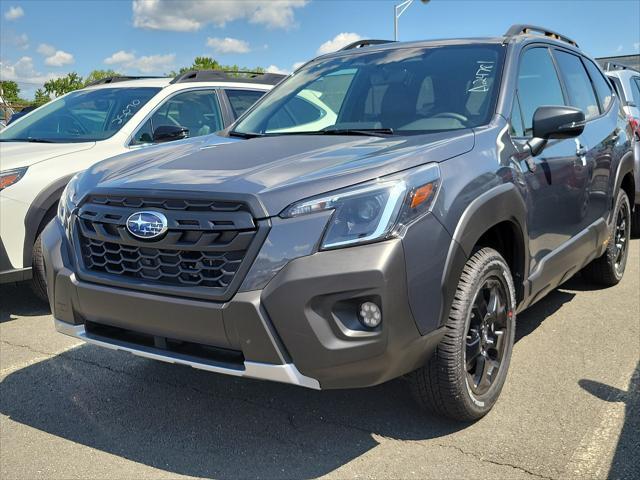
(300, 329)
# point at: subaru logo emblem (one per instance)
(147, 225)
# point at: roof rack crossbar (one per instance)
(117, 78)
(523, 29)
(365, 43)
(243, 76)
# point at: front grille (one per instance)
(202, 253)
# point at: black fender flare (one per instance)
(625, 166)
(43, 202)
(503, 203)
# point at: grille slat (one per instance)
(205, 246)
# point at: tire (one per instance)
(39, 277)
(446, 384)
(635, 222)
(608, 269)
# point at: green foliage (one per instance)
(60, 86)
(41, 98)
(208, 63)
(99, 75)
(10, 91)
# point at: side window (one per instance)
(196, 110)
(579, 88)
(600, 84)
(241, 100)
(538, 84)
(635, 89)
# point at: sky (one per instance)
(40, 40)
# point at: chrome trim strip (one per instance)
(286, 373)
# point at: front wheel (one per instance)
(608, 269)
(464, 377)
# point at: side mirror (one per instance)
(554, 122)
(169, 133)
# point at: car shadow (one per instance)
(196, 423)
(626, 459)
(17, 300)
(200, 424)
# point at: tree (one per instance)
(208, 63)
(99, 75)
(41, 98)
(60, 86)
(10, 91)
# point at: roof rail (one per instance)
(525, 29)
(364, 43)
(242, 76)
(115, 79)
(609, 66)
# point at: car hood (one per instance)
(25, 154)
(276, 171)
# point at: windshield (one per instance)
(81, 116)
(401, 91)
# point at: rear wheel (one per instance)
(608, 269)
(635, 222)
(465, 376)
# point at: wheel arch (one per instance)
(44, 202)
(495, 219)
(624, 179)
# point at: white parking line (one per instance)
(41, 357)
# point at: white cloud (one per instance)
(46, 49)
(9, 37)
(191, 15)
(145, 64)
(636, 46)
(337, 42)
(228, 45)
(59, 59)
(14, 13)
(54, 57)
(24, 73)
(276, 69)
(297, 65)
(120, 57)
(620, 48)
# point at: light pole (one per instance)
(399, 10)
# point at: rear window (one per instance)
(579, 88)
(241, 100)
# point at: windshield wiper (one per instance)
(234, 133)
(372, 132)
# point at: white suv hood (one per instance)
(24, 154)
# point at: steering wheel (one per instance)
(70, 125)
(453, 115)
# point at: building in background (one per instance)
(632, 61)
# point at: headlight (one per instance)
(375, 210)
(9, 177)
(68, 200)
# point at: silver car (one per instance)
(627, 83)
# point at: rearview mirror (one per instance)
(169, 133)
(554, 122)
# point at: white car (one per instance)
(43, 150)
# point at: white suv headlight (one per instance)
(374, 210)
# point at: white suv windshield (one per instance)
(402, 90)
(82, 116)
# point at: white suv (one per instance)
(41, 151)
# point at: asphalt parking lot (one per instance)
(570, 408)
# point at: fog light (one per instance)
(370, 315)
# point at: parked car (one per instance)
(461, 181)
(41, 151)
(20, 114)
(627, 83)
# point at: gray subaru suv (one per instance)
(385, 211)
